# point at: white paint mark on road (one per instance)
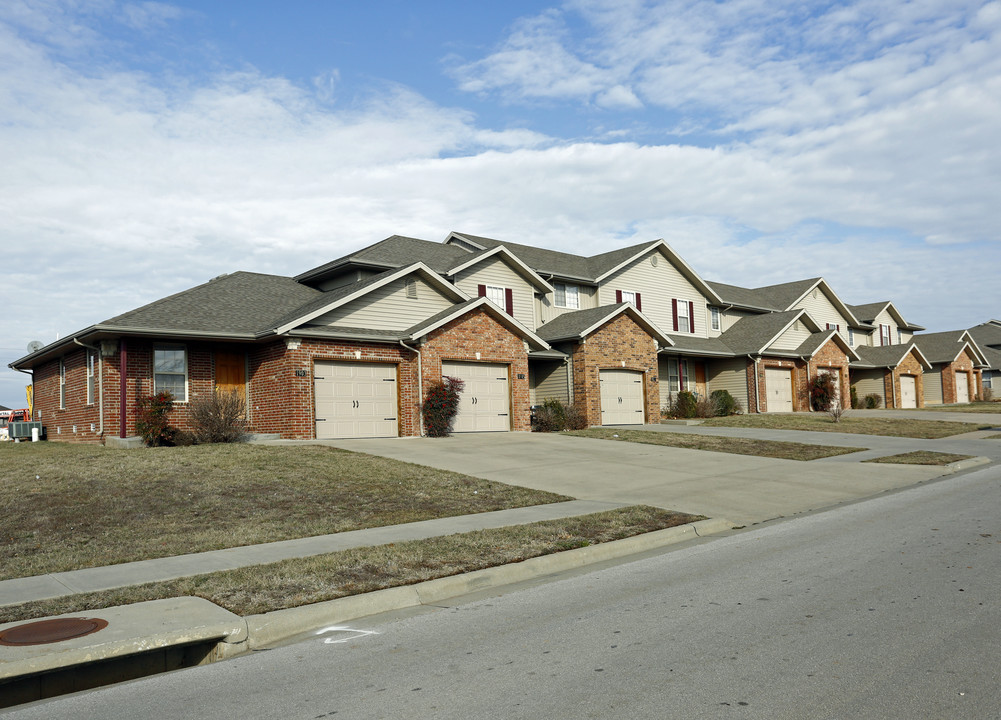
(353, 634)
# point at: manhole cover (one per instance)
(50, 631)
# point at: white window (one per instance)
(899, 340)
(714, 318)
(170, 371)
(91, 361)
(851, 338)
(679, 376)
(62, 384)
(987, 378)
(684, 319)
(884, 335)
(567, 296)
(629, 297)
(496, 295)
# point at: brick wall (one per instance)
(800, 382)
(618, 344)
(910, 365)
(832, 357)
(964, 363)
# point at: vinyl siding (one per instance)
(730, 318)
(345, 279)
(933, 385)
(728, 375)
(657, 287)
(549, 380)
(867, 382)
(546, 310)
(823, 311)
(792, 338)
(388, 308)
(499, 273)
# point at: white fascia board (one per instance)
(676, 260)
(801, 314)
(921, 356)
(498, 314)
(464, 239)
(833, 297)
(521, 268)
(427, 273)
(642, 319)
(974, 346)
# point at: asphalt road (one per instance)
(887, 608)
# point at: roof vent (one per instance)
(219, 277)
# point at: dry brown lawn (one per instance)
(921, 457)
(893, 427)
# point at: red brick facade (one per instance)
(618, 344)
(829, 357)
(963, 364)
(910, 365)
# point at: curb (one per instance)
(267, 629)
(972, 462)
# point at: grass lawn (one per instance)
(921, 457)
(291, 583)
(821, 422)
(993, 437)
(71, 506)
(973, 407)
(737, 446)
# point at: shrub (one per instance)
(723, 403)
(576, 419)
(823, 391)
(855, 400)
(554, 416)
(872, 401)
(219, 418)
(441, 403)
(988, 395)
(705, 407)
(836, 411)
(684, 405)
(151, 419)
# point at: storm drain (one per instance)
(44, 632)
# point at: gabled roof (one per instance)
(867, 313)
(581, 323)
(544, 262)
(815, 342)
(513, 260)
(752, 335)
(993, 358)
(446, 316)
(889, 355)
(784, 296)
(393, 252)
(987, 334)
(691, 345)
(343, 295)
(945, 347)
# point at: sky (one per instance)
(147, 147)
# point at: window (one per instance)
(714, 318)
(899, 340)
(684, 319)
(500, 296)
(851, 338)
(170, 371)
(629, 297)
(62, 384)
(884, 335)
(91, 361)
(567, 296)
(833, 326)
(987, 379)
(679, 375)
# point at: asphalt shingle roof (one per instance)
(398, 251)
(770, 297)
(751, 334)
(573, 324)
(986, 335)
(883, 355)
(941, 347)
(868, 312)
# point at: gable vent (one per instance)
(412, 289)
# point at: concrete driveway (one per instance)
(740, 488)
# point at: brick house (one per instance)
(956, 365)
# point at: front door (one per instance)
(231, 373)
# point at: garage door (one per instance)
(778, 386)
(355, 399)
(908, 391)
(485, 403)
(962, 387)
(621, 397)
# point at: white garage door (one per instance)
(778, 386)
(485, 403)
(621, 397)
(908, 391)
(355, 399)
(962, 387)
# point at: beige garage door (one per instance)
(355, 399)
(778, 386)
(908, 391)
(962, 387)
(485, 403)
(621, 397)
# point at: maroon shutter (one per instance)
(509, 301)
(674, 309)
(691, 317)
(639, 304)
(618, 296)
(481, 290)
(681, 374)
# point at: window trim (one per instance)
(565, 288)
(91, 369)
(164, 346)
(714, 318)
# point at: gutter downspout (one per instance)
(123, 385)
(100, 385)
(893, 389)
(420, 389)
(757, 393)
(809, 399)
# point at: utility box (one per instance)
(22, 430)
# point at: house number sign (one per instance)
(302, 373)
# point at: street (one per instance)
(886, 608)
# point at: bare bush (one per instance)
(219, 418)
(837, 411)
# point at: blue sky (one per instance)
(147, 147)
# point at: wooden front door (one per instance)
(231, 373)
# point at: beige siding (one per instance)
(657, 286)
(728, 375)
(867, 382)
(932, 380)
(885, 318)
(388, 308)
(549, 380)
(545, 310)
(792, 338)
(731, 317)
(499, 273)
(823, 311)
(345, 279)
(906, 337)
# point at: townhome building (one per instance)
(350, 347)
(988, 337)
(957, 362)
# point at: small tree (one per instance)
(723, 402)
(441, 403)
(685, 405)
(219, 418)
(151, 419)
(823, 392)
